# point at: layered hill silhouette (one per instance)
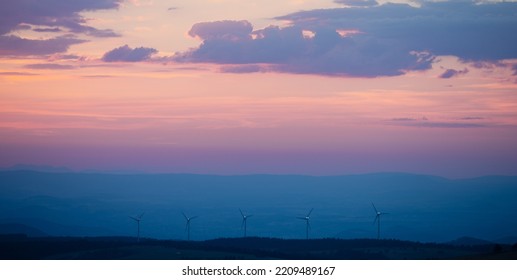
(421, 208)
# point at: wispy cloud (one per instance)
(48, 16)
(49, 66)
(16, 46)
(246, 68)
(17, 74)
(425, 122)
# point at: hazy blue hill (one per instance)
(420, 207)
(469, 241)
(21, 229)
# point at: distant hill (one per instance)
(507, 240)
(420, 207)
(6, 229)
(469, 241)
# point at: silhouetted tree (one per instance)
(498, 248)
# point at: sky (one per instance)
(246, 87)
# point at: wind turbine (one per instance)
(244, 221)
(137, 219)
(378, 215)
(308, 225)
(187, 225)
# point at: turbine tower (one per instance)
(244, 221)
(137, 219)
(187, 225)
(378, 215)
(308, 225)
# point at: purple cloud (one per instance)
(16, 46)
(464, 29)
(17, 74)
(450, 73)
(48, 16)
(127, 54)
(357, 3)
(49, 66)
(222, 30)
(364, 39)
(288, 50)
(55, 29)
(241, 69)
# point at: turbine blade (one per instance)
(308, 215)
(242, 214)
(133, 218)
(375, 209)
(301, 218)
(141, 215)
(186, 218)
(242, 224)
(194, 217)
(375, 220)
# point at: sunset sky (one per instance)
(316, 87)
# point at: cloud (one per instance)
(48, 16)
(424, 122)
(17, 74)
(127, 54)
(357, 3)
(450, 73)
(49, 66)
(241, 69)
(365, 40)
(55, 29)
(327, 52)
(222, 30)
(16, 46)
(464, 29)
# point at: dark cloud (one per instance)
(222, 30)
(288, 50)
(48, 16)
(464, 29)
(17, 74)
(357, 3)
(450, 73)
(49, 66)
(127, 54)
(55, 29)
(367, 41)
(16, 46)
(246, 68)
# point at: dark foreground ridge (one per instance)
(21, 247)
